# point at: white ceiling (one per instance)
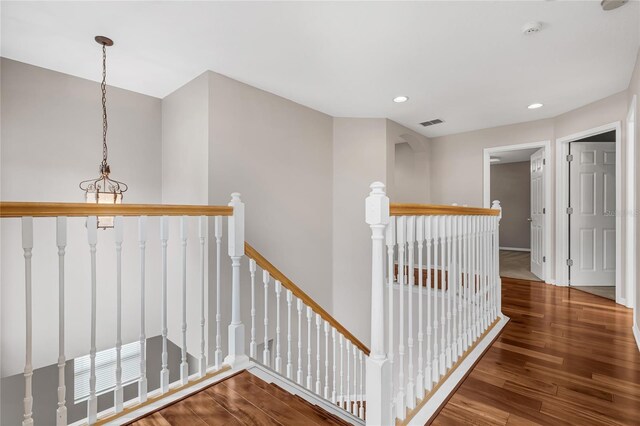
(464, 62)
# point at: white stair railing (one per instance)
(457, 262)
(99, 280)
(331, 368)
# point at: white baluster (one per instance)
(361, 398)
(299, 372)
(61, 241)
(420, 376)
(453, 291)
(478, 277)
(333, 348)
(428, 380)
(449, 290)
(92, 402)
(341, 398)
(435, 228)
(184, 366)
(266, 356)
(217, 231)
(118, 391)
(253, 348)
(318, 382)
(326, 360)
(27, 247)
(411, 237)
(164, 373)
(466, 226)
(354, 409)
(348, 357)
(202, 233)
(401, 236)
(289, 353)
(309, 376)
(443, 294)
(390, 240)
(278, 360)
(460, 287)
(483, 276)
(142, 242)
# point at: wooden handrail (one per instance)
(287, 283)
(400, 209)
(19, 209)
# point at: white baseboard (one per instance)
(449, 385)
(270, 376)
(636, 334)
(515, 249)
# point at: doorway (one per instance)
(588, 222)
(517, 176)
(592, 207)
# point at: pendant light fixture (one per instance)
(104, 189)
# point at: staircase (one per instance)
(264, 350)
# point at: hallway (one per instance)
(566, 357)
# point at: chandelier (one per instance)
(104, 189)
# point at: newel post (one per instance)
(378, 366)
(237, 355)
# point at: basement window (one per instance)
(106, 370)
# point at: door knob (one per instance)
(529, 219)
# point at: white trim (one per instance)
(631, 276)
(161, 402)
(562, 223)
(449, 385)
(270, 376)
(636, 334)
(515, 249)
(486, 192)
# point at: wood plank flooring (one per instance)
(242, 399)
(565, 358)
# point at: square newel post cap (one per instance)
(236, 226)
(377, 205)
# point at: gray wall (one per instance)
(51, 140)
(511, 184)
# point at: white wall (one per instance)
(456, 160)
(411, 179)
(278, 155)
(359, 158)
(634, 89)
(185, 177)
(51, 140)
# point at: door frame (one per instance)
(630, 231)
(486, 191)
(562, 201)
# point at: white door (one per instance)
(538, 211)
(592, 222)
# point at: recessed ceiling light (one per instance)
(400, 99)
(535, 106)
(494, 159)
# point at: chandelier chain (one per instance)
(103, 87)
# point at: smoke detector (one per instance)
(612, 4)
(531, 28)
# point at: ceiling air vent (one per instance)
(432, 122)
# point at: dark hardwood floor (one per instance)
(242, 399)
(565, 358)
